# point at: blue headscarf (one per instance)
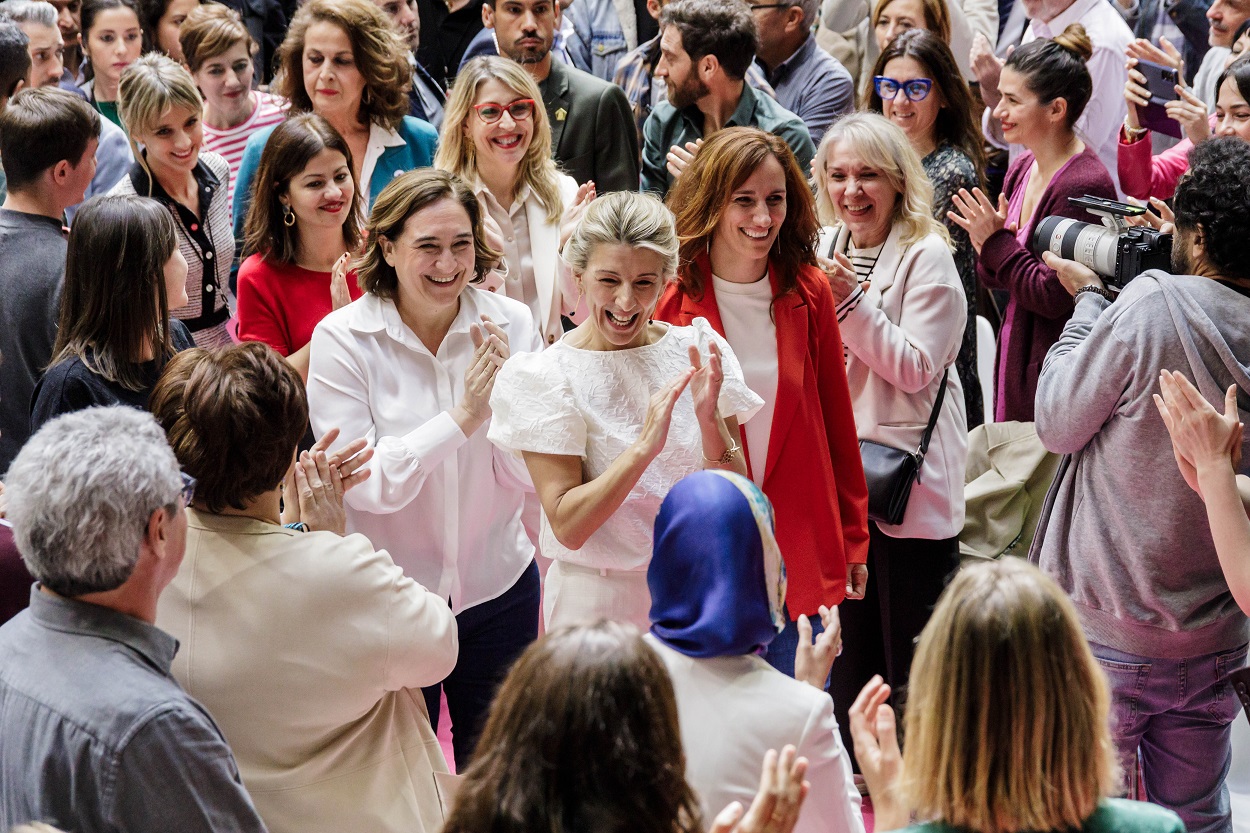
(716, 576)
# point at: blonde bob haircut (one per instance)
(457, 153)
(937, 19)
(403, 198)
(1007, 713)
(148, 89)
(628, 218)
(377, 49)
(882, 145)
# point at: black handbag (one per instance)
(891, 472)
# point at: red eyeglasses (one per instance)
(491, 112)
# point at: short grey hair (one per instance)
(81, 492)
(810, 9)
(629, 218)
(38, 12)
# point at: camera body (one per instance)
(1115, 250)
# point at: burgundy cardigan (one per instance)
(1039, 305)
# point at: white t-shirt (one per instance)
(592, 404)
(746, 313)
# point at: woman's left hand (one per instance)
(814, 660)
(340, 294)
(778, 801)
(574, 212)
(874, 734)
(317, 481)
(705, 383)
(978, 216)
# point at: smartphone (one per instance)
(1161, 81)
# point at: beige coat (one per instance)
(309, 649)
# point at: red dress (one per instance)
(814, 476)
(280, 303)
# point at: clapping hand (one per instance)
(987, 68)
(490, 351)
(315, 484)
(705, 383)
(340, 294)
(814, 661)
(576, 210)
(874, 733)
(976, 215)
(660, 416)
(776, 805)
(843, 279)
(679, 157)
(1201, 435)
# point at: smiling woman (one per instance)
(603, 417)
(163, 108)
(747, 224)
(411, 366)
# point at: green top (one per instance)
(108, 109)
(1114, 815)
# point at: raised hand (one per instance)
(679, 157)
(875, 736)
(814, 660)
(977, 215)
(776, 806)
(575, 211)
(987, 67)
(1201, 435)
(317, 481)
(841, 274)
(490, 351)
(660, 416)
(705, 383)
(340, 294)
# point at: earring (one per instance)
(288, 216)
(365, 98)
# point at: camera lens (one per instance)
(1090, 245)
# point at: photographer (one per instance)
(1118, 531)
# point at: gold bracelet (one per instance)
(727, 457)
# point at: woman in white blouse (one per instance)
(410, 367)
(902, 312)
(496, 138)
(614, 414)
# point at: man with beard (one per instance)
(706, 47)
(592, 131)
(1121, 530)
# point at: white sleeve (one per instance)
(533, 408)
(912, 353)
(833, 805)
(338, 397)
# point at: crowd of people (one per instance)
(608, 377)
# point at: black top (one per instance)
(32, 271)
(70, 385)
(648, 26)
(445, 36)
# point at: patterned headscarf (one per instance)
(717, 579)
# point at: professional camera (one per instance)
(1115, 250)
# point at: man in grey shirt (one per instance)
(95, 735)
(1121, 530)
(809, 81)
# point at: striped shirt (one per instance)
(229, 143)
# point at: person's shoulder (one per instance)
(180, 336)
(258, 139)
(584, 83)
(504, 310)
(417, 130)
(216, 163)
(1118, 815)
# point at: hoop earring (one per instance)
(365, 98)
(288, 216)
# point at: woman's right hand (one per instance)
(776, 806)
(875, 737)
(1135, 90)
(1190, 112)
(841, 274)
(660, 415)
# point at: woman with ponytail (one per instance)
(1045, 86)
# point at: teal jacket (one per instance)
(1114, 815)
(417, 151)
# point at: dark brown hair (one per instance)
(114, 308)
(712, 27)
(403, 197)
(41, 127)
(582, 736)
(233, 417)
(211, 30)
(377, 48)
(957, 122)
(1056, 68)
(719, 168)
(289, 149)
(92, 9)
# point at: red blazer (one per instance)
(814, 476)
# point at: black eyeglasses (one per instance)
(755, 6)
(917, 89)
(491, 112)
(188, 488)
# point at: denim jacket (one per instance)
(603, 31)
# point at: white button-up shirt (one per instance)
(1099, 125)
(445, 506)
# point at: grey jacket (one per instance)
(1121, 531)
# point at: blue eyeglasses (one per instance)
(917, 89)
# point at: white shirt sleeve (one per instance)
(534, 409)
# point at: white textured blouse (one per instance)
(592, 404)
(445, 506)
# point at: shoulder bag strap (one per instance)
(933, 418)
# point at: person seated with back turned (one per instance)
(706, 47)
(1118, 532)
(95, 734)
(47, 140)
(319, 688)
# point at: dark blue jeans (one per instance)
(492, 635)
(1177, 713)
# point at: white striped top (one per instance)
(269, 110)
